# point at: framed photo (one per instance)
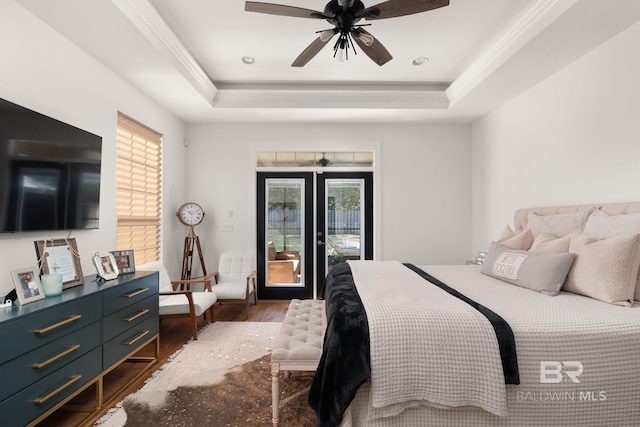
(27, 284)
(105, 265)
(60, 256)
(124, 261)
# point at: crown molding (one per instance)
(331, 98)
(149, 22)
(523, 28)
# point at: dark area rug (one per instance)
(242, 399)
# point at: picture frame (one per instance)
(124, 261)
(60, 256)
(27, 283)
(106, 266)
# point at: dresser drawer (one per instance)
(37, 364)
(121, 296)
(129, 341)
(22, 407)
(130, 316)
(31, 331)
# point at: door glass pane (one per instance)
(344, 218)
(284, 229)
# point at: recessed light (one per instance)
(420, 61)
(248, 60)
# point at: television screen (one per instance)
(49, 173)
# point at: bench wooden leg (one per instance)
(275, 393)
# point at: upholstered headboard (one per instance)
(520, 217)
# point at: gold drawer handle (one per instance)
(54, 358)
(136, 338)
(138, 292)
(72, 380)
(134, 317)
(57, 325)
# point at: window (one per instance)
(139, 189)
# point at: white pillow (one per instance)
(558, 225)
(601, 225)
(606, 270)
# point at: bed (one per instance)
(544, 333)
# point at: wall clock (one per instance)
(190, 214)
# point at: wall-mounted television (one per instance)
(49, 173)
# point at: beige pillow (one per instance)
(546, 243)
(559, 225)
(606, 270)
(521, 241)
(601, 225)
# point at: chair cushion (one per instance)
(235, 267)
(179, 304)
(231, 290)
(164, 281)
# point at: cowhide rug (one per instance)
(222, 379)
(243, 398)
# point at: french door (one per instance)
(308, 222)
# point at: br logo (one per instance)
(552, 372)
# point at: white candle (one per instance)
(52, 284)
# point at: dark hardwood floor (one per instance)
(174, 333)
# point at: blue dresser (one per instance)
(55, 348)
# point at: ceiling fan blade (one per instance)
(377, 52)
(394, 8)
(282, 10)
(311, 51)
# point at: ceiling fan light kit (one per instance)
(344, 15)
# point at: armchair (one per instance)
(283, 266)
(177, 299)
(235, 280)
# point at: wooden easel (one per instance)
(187, 258)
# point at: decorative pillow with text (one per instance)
(543, 273)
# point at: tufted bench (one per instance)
(298, 346)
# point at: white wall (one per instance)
(574, 138)
(423, 179)
(45, 72)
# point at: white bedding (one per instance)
(398, 304)
(602, 338)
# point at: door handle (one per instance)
(320, 243)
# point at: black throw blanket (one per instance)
(345, 363)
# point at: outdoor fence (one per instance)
(288, 221)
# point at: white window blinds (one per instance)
(139, 189)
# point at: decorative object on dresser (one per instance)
(27, 284)
(52, 284)
(125, 261)
(191, 214)
(60, 256)
(78, 351)
(105, 265)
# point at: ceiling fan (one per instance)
(344, 16)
